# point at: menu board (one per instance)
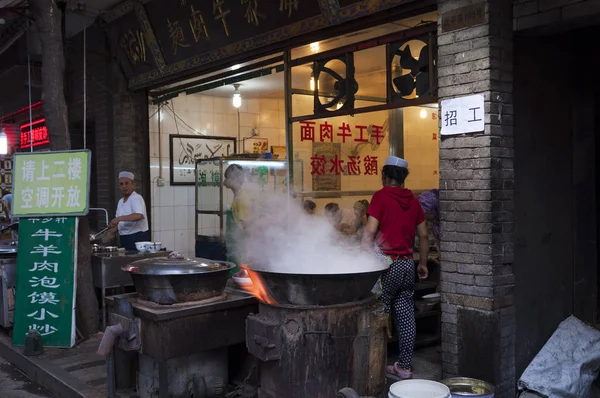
(45, 294)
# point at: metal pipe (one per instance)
(289, 127)
(30, 111)
(159, 145)
(85, 89)
(101, 209)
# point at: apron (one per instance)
(232, 230)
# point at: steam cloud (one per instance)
(284, 239)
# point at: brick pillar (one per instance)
(476, 202)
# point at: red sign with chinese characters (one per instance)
(337, 165)
(353, 165)
(37, 132)
(325, 133)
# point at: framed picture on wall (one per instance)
(279, 152)
(256, 145)
(185, 150)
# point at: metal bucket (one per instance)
(467, 387)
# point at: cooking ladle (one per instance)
(94, 237)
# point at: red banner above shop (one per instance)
(33, 134)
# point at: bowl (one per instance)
(424, 306)
(242, 282)
(153, 247)
(432, 298)
(142, 247)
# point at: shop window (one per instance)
(342, 156)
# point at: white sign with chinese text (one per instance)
(462, 115)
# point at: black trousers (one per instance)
(128, 241)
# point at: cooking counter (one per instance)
(107, 273)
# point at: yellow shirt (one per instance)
(241, 207)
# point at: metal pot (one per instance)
(467, 387)
(8, 247)
(168, 281)
(305, 289)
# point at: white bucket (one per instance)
(418, 389)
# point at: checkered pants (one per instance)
(398, 286)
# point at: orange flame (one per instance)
(257, 287)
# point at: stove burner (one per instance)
(152, 304)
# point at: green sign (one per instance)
(51, 183)
(45, 294)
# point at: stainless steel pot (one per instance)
(168, 281)
(9, 247)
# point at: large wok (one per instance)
(307, 289)
(168, 281)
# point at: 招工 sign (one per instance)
(51, 183)
(45, 294)
(463, 115)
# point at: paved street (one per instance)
(14, 384)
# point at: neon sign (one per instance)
(36, 131)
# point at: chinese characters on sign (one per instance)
(462, 115)
(352, 165)
(46, 280)
(212, 178)
(463, 17)
(33, 134)
(325, 132)
(54, 183)
(134, 45)
(326, 164)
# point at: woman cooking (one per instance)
(394, 215)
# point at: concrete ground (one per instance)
(427, 364)
(14, 384)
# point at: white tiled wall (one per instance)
(173, 210)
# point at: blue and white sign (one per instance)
(462, 115)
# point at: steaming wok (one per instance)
(326, 289)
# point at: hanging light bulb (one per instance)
(237, 97)
(3, 142)
(312, 80)
(423, 113)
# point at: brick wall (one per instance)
(530, 14)
(117, 119)
(476, 202)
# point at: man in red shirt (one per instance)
(395, 214)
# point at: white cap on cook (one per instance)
(396, 161)
(126, 174)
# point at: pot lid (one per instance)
(8, 246)
(168, 266)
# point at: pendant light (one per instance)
(3, 141)
(237, 97)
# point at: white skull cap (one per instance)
(126, 174)
(396, 161)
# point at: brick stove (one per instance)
(327, 333)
